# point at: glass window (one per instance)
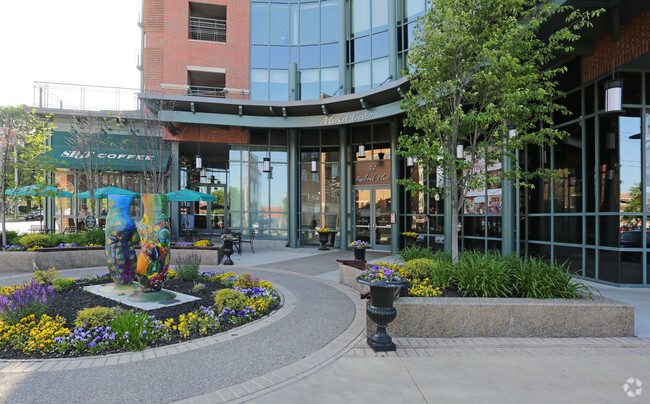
(309, 56)
(630, 177)
(279, 85)
(379, 15)
(309, 23)
(279, 24)
(361, 49)
(259, 56)
(379, 71)
(414, 8)
(259, 84)
(309, 85)
(279, 57)
(329, 21)
(380, 44)
(329, 79)
(360, 17)
(259, 23)
(361, 77)
(294, 24)
(329, 55)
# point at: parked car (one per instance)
(34, 215)
(632, 238)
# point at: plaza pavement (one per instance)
(313, 350)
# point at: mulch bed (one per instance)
(73, 299)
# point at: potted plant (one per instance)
(409, 238)
(359, 247)
(228, 239)
(383, 280)
(323, 237)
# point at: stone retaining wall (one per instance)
(29, 261)
(451, 317)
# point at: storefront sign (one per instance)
(117, 156)
(372, 172)
(349, 117)
(90, 221)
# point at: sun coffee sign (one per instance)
(374, 172)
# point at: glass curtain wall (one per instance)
(408, 12)
(301, 32)
(258, 200)
(368, 44)
(320, 189)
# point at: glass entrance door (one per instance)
(209, 215)
(372, 216)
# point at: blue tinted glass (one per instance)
(294, 24)
(279, 24)
(329, 80)
(329, 55)
(294, 54)
(414, 8)
(379, 15)
(259, 23)
(280, 56)
(380, 44)
(360, 17)
(309, 85)
(361, 77)
(279, 85)
(379, 71)
(409, 36)
(309, 23)
(259, 56)
(329, 21)
(259, 84)
(308, 56)
(361, 49)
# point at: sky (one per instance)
(67, 41)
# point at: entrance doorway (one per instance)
(372, 216)
(209, 217)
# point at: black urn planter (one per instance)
(381, 312)
(228, 250)
(360, 254)
(409, 241)
(323, 237)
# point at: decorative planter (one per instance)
(154, 231)
(120, 253)
(228, 250)
(409, 241)
(381, 312)
(323, 237)
(360, 253)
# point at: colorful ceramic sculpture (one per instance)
(154, 231)
(120, 254)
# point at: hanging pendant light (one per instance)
(409, 162)
(267, 165)
(199, 162)
(613, 96)
(362, 151)
(314, 164)
(460, 150)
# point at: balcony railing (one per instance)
(207, 29)
(206, 91)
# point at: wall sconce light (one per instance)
(409, 162)
(460, 150)
(362, 151)
(267, 165)
(199, 162)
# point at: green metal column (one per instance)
(392, 39)
(293, 82)
(175, 180)
(394, 189)
(507, 212)
(343, 22)
(343, 190)
(292, 163)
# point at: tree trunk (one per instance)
(15, 181)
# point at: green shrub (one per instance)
(136, 331)
(414, 252)
(247, 281)
(12, 237)
(94, 237)
(188, 268)
(484, 275)
(537, 279)
(443, 274)
(94, 317)
(56, 239)
(35, 240)
(232, 299)
(76, 238)
(45, 277)
(62, 283)
(419, 268)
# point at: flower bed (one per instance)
(54, 334)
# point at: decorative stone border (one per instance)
(451, 317)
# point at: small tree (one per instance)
(475, 66)
(22, 145)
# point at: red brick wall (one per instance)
(211, 134)
(177, 51)
(634, 42)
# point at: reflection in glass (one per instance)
(279, 57)
(259, 23)
(630, 177)
(309, 23)
(379, 15)
(329, 55)
(329, 26)
(308, 56)
(259, 56)
(309, 84)
(380, 44)
(279, 24)
(329, 80)
(259, 84)
(279, 85)
(361, 77)
(379, 71)
(360, 17)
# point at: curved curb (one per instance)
(312, 363)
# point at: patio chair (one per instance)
(249, 241)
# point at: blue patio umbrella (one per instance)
(101, 193)
(187, 195)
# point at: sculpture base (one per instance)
(120, 288)
(161, 296)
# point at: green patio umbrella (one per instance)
(38, 190)
(187, 195)
(101, 193)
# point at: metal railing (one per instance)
(84, 97)
(207, 29)
(206, 91)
